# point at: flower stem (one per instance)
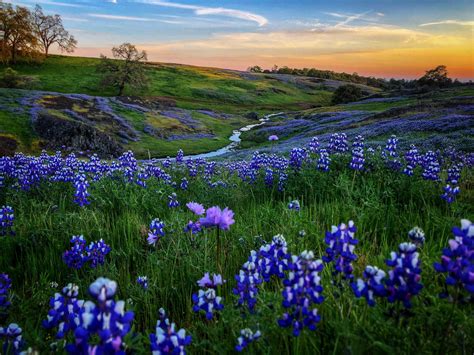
(218, 252)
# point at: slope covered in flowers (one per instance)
(336, 247)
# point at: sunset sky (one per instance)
(380, 38)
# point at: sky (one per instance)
(384, 38)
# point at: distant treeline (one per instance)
(437, 77)
(26, 34)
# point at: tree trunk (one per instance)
(121, 88)
(46, 50)
(13, 54)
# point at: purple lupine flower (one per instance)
(206, 299)
(371, 286)
(156, 231)
(11, 337)
(282, 177)
(104, 318)
(324, 160)
(404, 278)
(96, 252)
(7, 217)
(451, 190)
(81, 184)
(193, 227)
(341, 244)
(76, 257)
(457, 260)
(294, 205)
(314, 145)
(431, 166)
(412, 158)
(417, 236)
(268, 177)
(5, 285)
(196, 208)
(208, 282)
(297, 158)
(184, 184)
(173, 201)
(143, 282)
(273, 138)
(64, 312)
(338, 143)
(358, 161)
(180, 156)
(248, 280)
(274, 258)
(246, 337)
(166, 340)
(215, 217)
(390, 153)
(302, 293)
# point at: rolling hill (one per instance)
(183, 106)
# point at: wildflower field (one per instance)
(333, 248)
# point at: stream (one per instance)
(234, 139)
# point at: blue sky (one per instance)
(336, 34)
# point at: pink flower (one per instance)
(196, 208)
(215, 217)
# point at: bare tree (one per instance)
(50, 30)
(126, 69)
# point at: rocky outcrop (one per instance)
(8, 146)
(57, 133)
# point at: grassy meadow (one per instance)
(384, 205)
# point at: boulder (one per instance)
(76, 136)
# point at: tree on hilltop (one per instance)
(436, 77)
(50, 30)
(126, 70)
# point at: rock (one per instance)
(57, 132)
(8, 146)
(252, 116)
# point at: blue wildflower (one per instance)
(302, 293)
(206, 299)
(81, 184)
(156, 231)
(371, 286)
(7, 217)
(5, 285)
(457, 260)
(404, 278)
(274, 258)
(294, 205)
(173, 200)
(143, 282)
(64, 312)
(248, 280)
(341, 244)
(246, 337)
(11, 337)
(166, 340)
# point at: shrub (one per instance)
(346, 93)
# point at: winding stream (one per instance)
(234, 139)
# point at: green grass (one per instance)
(383, 204)
(192, 87)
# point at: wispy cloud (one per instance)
(134, 18)
(346, 19)
(122, 18)
(57, 3)
(449, 22)
(202, 11)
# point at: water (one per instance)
(234, 139)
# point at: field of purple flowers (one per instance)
(337, 247)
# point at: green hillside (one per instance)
(192, 87)
(188, 107)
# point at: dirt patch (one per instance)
(8, 146)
